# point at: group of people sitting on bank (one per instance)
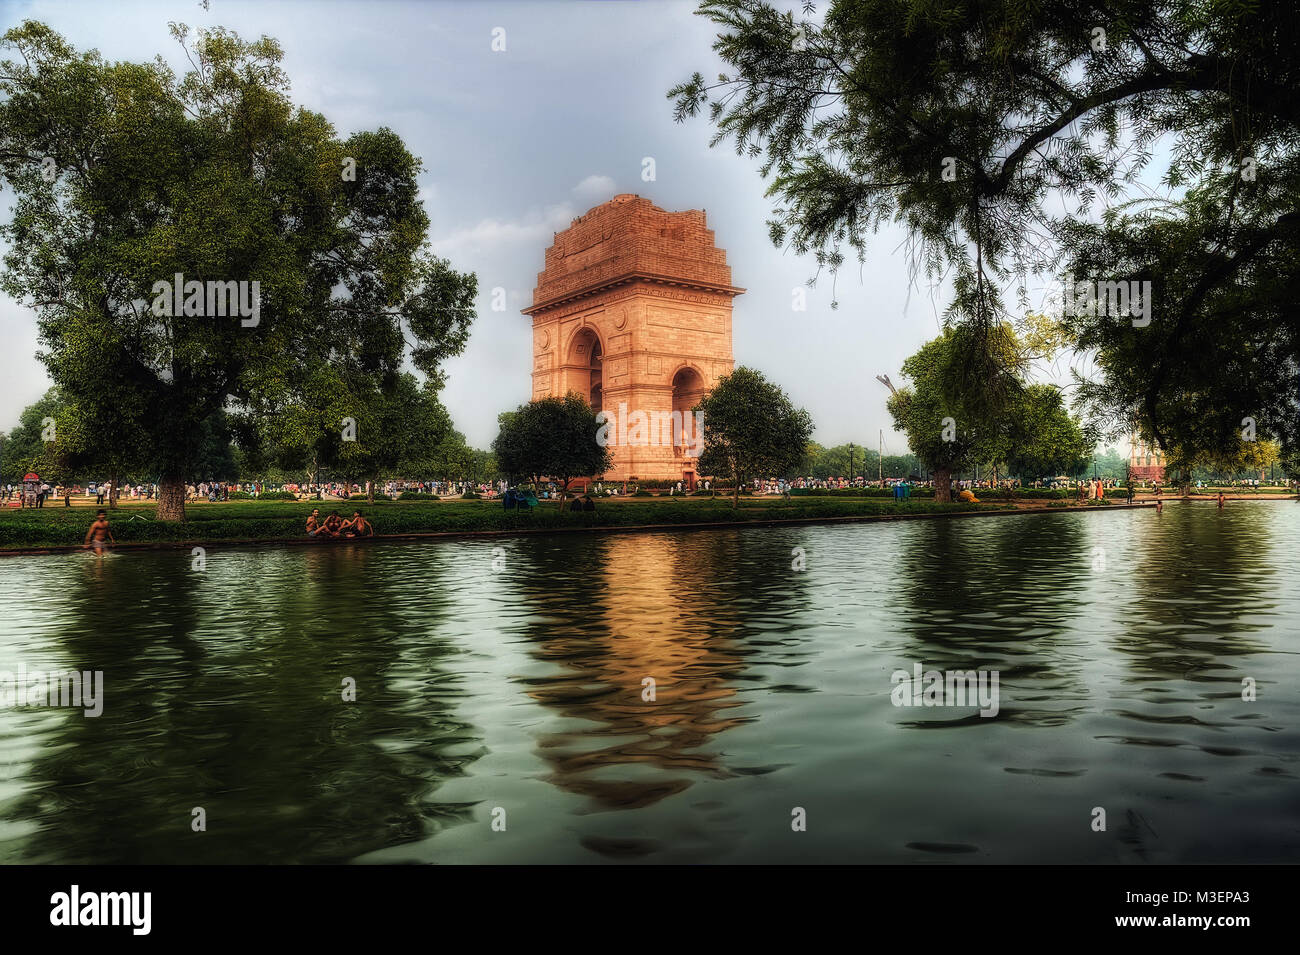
(335, 526)
(523, 498)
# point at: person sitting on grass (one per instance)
(968, 496)
(358, 526)
(315, 528)
(576, 504)
(99, 536)
(587, 503)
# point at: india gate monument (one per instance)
(633, 313)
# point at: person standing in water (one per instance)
(99, 536)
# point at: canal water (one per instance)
(502, 711)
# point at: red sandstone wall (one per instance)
(657, 293)
(630, 234)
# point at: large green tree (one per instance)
(1111, 465)
(1005, 135)
(25, 448)
(64, 441)
(751, 430)
(942, 429)
(126, 176)
(553, 438)
(1029, 432)
(1039, 437)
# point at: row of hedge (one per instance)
(983, 493)
(217, 522)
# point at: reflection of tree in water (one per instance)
(223, 690)
(997, 593)
(1202, 581)
(614, 610)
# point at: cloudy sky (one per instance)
(515, 145)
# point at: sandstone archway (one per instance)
(688, 389)
(585, 363)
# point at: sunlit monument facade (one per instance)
(1146, 462)
(633, 312)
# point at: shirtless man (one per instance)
(334, 524)
(358, 526)
(99, 536)
(314, 526)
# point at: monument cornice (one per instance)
(664, 282)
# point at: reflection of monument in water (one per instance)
(610, 630)
(634, 308)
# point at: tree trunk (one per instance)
(735, 496)
(171, 499)
(370, 492)
(112, 490)
(943, 486)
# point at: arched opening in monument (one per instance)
(688, 389)
(586, 358)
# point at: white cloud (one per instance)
(595, 189)
(490, 234)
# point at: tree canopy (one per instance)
(751, 430)
(1006, 137)
(137, 190)
(1039, 438)
(1030, 431)
(551, 438)
(941, 429)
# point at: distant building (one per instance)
(1146, 462)
(633, 313)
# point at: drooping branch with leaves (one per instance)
(1008, 138)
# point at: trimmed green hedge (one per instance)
(881, 492)
(983, 493)
(266, 521)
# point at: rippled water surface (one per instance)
(518, 691)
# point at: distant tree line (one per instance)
(419, 444)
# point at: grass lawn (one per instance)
(57, 526)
